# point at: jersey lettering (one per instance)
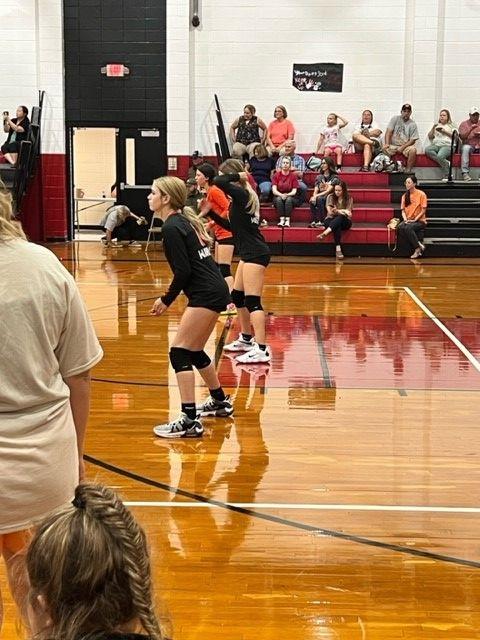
(203, 253)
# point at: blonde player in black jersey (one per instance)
(187, 249)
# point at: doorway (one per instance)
(111, 166)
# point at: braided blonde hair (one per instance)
(232, 165)
(9, 228)
(90, 563)
(177, 190)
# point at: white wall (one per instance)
(392, 50)
(31, 58)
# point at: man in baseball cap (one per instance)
(197, 159)
(401, 136)
(469, 131)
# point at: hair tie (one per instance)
(79, 502)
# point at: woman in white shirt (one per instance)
(440, 136)
(47, 348)
(366, 138)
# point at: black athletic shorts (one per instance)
(263, 260)
(225, 241)
(212, 306)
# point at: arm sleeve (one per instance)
(177, 256)
(294, 183)
(290, 131)
(224, 182)
(423, 201)
(402, 202)
(222, 222)
(78, 349)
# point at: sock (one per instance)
(190, 410)
(218, 394)
(247, 337)
(262, 347)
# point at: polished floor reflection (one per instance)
(342, 500)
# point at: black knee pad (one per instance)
(181, 359)
(225, 270)
(199, 359)
(253, 303)
(238, 298)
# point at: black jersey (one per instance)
(194, 270)
(247, 237)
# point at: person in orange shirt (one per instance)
(279, 131)
(216, 206)
(414, 207)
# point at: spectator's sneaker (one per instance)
(134, 243)
(422, 246)
(264, 223)
(467, 177)
(216, 408)
(287, 222)
(182, 427)
(240, 344)
(417, 253)
(255, 355)
(444, 179)
(339, 254)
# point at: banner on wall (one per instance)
(319, 76)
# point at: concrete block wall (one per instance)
(392, 50)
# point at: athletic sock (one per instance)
(262, 347)
(218, 394)
(247, 337)
(190, 410)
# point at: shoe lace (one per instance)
(209, 403)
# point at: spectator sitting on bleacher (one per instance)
(284, 189)
(324, 184)
(330, 141)
(469, 131)
(17, 129)
(366, 138)
(261, 167)
(193, 195)
(245, 133)
(196, 161)
(298, 164)
(279, 130)
(401, 136)
(440, 136)
(339, 216)
(414, 207)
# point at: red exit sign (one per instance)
(115, 70)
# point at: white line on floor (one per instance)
(312, 507)
(471, 358)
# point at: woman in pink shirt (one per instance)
(279, 130)
(284, 189)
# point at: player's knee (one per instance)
(199, 359)
(181, 359)
(238, 298)
(253, 303)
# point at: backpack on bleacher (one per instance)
(383, 162)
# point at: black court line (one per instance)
(283, 521)
(321, 352)
(402, 392)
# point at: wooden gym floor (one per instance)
(342, 501)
